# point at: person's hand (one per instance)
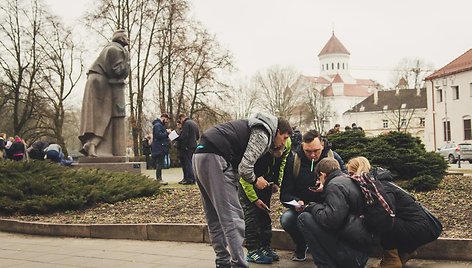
(275, 188)
(301, 207)
(261, 183)
(261, 205)
(309, 206)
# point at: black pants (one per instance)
(159, 160)
(186, 162)
(407, 236)
(327, 249)
(258, 229)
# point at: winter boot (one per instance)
(405, 256)
(390, 259)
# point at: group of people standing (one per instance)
(186, 142)
(240, 164)
(15, 148)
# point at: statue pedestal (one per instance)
(112, 163)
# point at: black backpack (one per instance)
(379, 212)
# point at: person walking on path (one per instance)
(160, 144)
(186, 144)
(227, 152)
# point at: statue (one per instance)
(102, 125)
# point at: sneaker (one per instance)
(300, 255)
(257, 257)
(270, 253)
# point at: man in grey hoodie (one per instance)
(226, 153)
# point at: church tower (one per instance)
(334, 59)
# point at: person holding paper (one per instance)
(226, 153)
(160, 144)
(186, 144)
(256, 205)
(299, 185)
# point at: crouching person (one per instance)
(333, 230)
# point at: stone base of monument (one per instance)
(112, 163)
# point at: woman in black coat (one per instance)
(412, 227)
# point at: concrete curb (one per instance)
(441, 249)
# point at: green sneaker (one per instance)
(257, 257)
(270, 253)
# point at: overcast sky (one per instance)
(377, 33)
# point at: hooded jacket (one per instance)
(160, 139)
(232, 140)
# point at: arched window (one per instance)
(343, 65)
(338, 65)
(332, 66)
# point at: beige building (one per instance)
(449, 92)
(339, 89)
(400, 109)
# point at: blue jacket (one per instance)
(160, 139)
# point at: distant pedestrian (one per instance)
(18, 149)
(186, 144)
(147, 150)
(36, 150)
(227, 152)
(334, 130)
(160, 144)
(3, 142)
(54, 153)
(296, 139)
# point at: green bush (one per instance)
(405, 156)
(44, 187)
(424, 183)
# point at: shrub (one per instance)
(424, 183)
(44, 187)
(405, 156)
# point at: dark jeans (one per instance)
(258, 230)
(327, 249)
(288, 220)
(159, 160)
(186, 162)
(149, 162)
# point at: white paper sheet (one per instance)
(173, 135)
(293, 203)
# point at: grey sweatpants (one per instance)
(218, 184)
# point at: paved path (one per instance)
(18, 250)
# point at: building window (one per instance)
(422, 121)
(470, 84)
(439, 95)
(332, 66)
(327, 66)
(322, 67)
(455, 92)
(403, 123)
(470, 89)
(403, 106)
(447, 130)
(467, 130)
(338, 65)
(385, 123)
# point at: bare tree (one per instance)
(241, 98)
(21, 58)
(413, 70)
(278, 90)
(319, 109)
(60, 75)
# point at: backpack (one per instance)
(379, 214)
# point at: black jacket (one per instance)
(339, 212)
(189, 136)
(297, 188)
(160, 139)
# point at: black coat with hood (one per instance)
(160, 139)
(343, 203)
(297, 188)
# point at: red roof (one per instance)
(338, 79)
(350, 90)
(461, 64)
(334, 46)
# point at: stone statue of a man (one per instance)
(102, 125)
